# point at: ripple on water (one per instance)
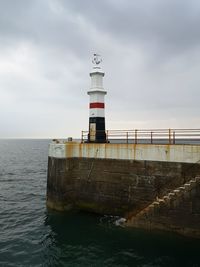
(32, 236)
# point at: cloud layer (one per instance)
(151, 53)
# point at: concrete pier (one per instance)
(126, 179)
(148, 152)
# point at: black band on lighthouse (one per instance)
(97, 132)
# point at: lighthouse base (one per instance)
(97, 132)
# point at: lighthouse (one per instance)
(96, 93)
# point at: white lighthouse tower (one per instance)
(97, 132)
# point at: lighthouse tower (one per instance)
(97, 132)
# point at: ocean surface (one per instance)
(31, 235)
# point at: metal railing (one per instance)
(150, 136)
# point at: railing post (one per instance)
(81, 136)
(127, 137)
(135, 136)
(170, 136)
(151, 137)
(174, 140)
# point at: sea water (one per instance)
(31, 235)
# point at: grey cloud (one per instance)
(164, 26)
(151, 52)
(36, 22)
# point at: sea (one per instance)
(32, 235)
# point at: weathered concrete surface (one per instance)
(148, 152)
(112, 186)
(121, 179)
(178, 211)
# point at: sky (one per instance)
(151, 58)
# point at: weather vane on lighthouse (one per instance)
(97, 59)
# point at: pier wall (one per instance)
(119, 179)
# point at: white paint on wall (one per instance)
(57, 150)
(151, 152)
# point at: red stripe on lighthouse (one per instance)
(97, 105)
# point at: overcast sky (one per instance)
(151, 59)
